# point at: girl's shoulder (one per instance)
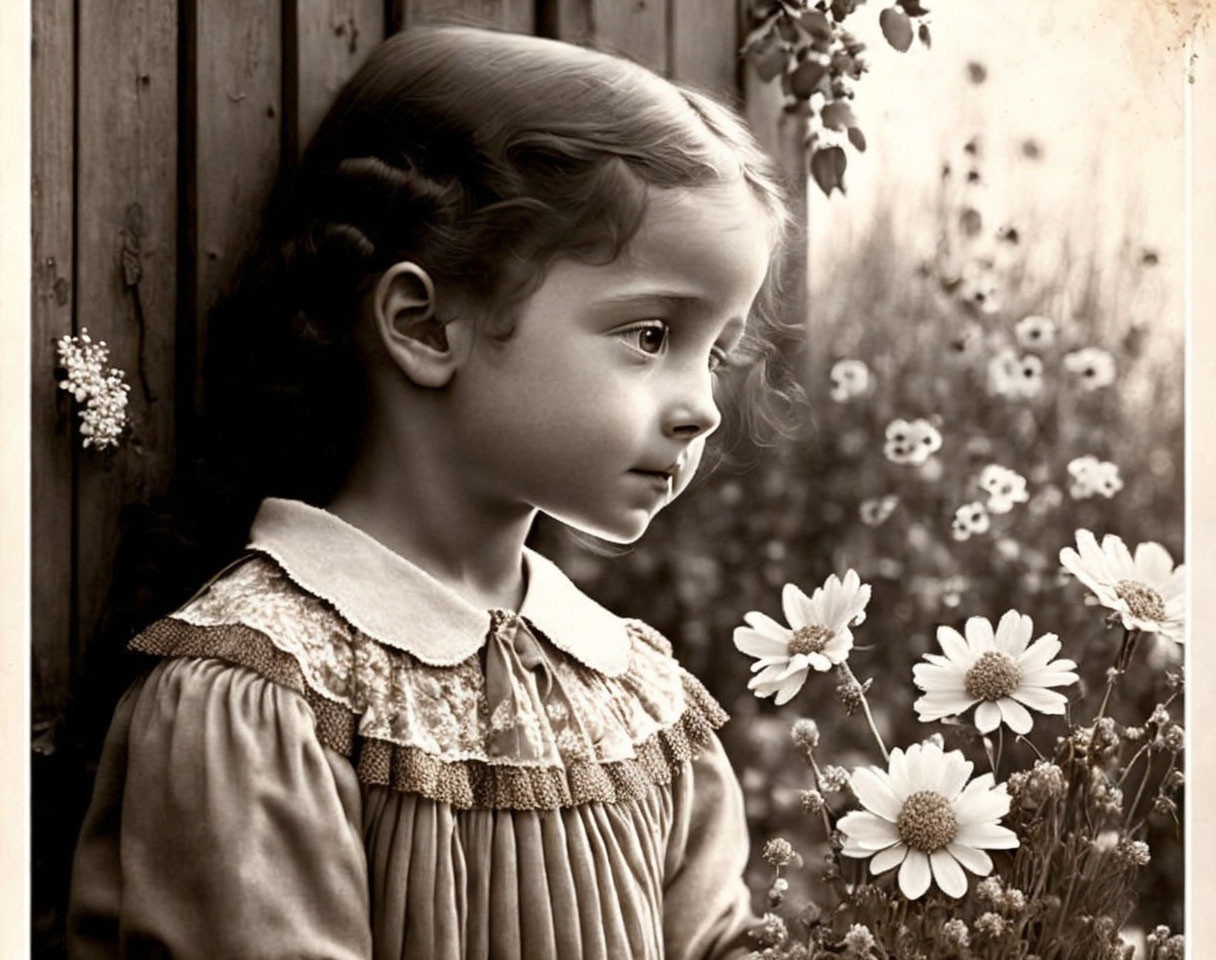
(524, 719)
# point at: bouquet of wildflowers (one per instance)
(946, 848)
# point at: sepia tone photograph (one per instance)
(583, 478)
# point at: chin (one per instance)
(621, 531)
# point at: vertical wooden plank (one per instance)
(704, 44)
(636, 29)
(324, 42)
(233, 130)
(782, 135)
(516, 16)
(52, 128)
(126, 261)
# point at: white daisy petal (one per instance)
(756, 644)
(868, 830)
(914, 875)
(820, 662)
(873, 789)
(794, 606)
(987, 717)
(1039, 653)
(789, 687)
(1153, 563)
(954, 646)
(977, 861)
(884, 860)
(1044, 701)
(948, 874)
(766, 625)
(980, 637)
(988, 835)
(1016, 717)
(1013, 633)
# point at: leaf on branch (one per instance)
(827, 168)
(806, 77)
(925, 38)
(897, 28)
(768, 58)
(970, 221)
(816, 23)
(838, 115)
(858, 139)
(912, 8)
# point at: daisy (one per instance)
(1035, 333)
(817, 637)
(923, 816)
(1093, 367)
(850, 378)
(1004, 487)
(1146, 589)
(968, 519)
(997, 670)
(875, 512)
(912, 442)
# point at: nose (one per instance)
(692, 411)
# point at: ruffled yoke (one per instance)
(339, 756)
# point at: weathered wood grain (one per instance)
(324, 42)
(704, 46)
(126, 275)
(233, 128)
(782, 135)
(633, 28)
(517, 16)
(52, 130)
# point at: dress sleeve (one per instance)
(219, 827)
(706, 905)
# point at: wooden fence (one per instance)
(158, 130)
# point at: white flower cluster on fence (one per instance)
(102, 391)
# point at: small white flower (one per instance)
(1035, 333)
(1016, 377)
(874, 512)
(1093, 367)
(923, 816)
(850, 378)
(818, 635)
(970, 518)
(1004, 487)
(1146, 589)
(911, 442)
(104, 392)
(995, 669)
(1092, 476)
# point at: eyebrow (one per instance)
(669, 297)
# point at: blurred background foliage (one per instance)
(927, 295)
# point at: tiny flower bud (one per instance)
(990, 924)
(778, 852)
(770, 931)
(834, 778)
(812, 801)
(805, 733)
(810, 915)
(859, 941)
(956, 934)
(1132, 853)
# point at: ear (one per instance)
(403, 305)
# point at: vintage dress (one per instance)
(337, 756)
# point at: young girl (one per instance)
(505, 281)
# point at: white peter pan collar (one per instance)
(401, 605)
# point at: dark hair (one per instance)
(482, 156)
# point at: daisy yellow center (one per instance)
(926, 822)
(1143, 601)
(993, 675)
(810, 639)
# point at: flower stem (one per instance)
(1022, 738)
(865, 706)
(1121, 663)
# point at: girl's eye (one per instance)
(648, 337)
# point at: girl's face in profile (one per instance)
(597, 409)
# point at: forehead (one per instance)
(719, 235)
